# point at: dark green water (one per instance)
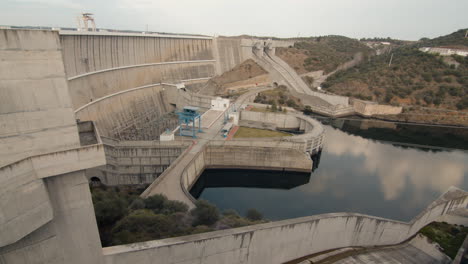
(363, 168)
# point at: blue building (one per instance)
(188, 118)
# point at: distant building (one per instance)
(219, 104)
(445, 51)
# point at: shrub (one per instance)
(155, 202)
(108, 207)
(170, 207)
(254, 215)
(307, 110)
(137, 204)
(291, 103)
(463, 103)
(142, 225)
(204, 213)
(231, 212)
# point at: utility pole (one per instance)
(391, 58)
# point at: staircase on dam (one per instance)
(330, 105)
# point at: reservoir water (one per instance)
(371, 167)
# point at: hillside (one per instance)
(321, 53)
(455, 39)
(244, 75)
(414, 77)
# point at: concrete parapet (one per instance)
(312, 138)
(282, 241)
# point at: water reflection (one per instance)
(216, 178)
(395, 167)
(357, 174)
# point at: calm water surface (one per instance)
(362, 169)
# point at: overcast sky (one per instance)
(403, 19)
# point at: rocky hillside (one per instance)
(412, 78)
(245, 74)
(321, 53)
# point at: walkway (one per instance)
(417, 250)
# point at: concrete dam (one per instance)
(78, 107)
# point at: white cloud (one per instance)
(395, 168)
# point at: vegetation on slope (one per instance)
(453, 40)
(414, 77)
(123, 217)
(277, 99)
(321, 53)
(449, 237)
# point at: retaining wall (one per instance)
(312, 138)
(245, 155)
(370, 108)
(136, 162)
(282, 241)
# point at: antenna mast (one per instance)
(83, 22)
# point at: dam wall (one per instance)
(46, 211)
(282, 241)
(136, 114)
(141, 113)
(86, 52)
(135, 162)
(230, 52)
(98, 64)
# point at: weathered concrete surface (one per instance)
(92, 87)
(367, 108)
(136, 162)
(46, 215)
(281, 73)
(282, 241)
(98, 65)
(114, 114)
(231, 155)
(35, 110)
(90, 52)
(418, 250)
(312, 138)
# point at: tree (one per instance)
(254, 215)
(291, 103)
(274, 108)
(138, 203)
(108, 207)
(155, 202)
(204, 213)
